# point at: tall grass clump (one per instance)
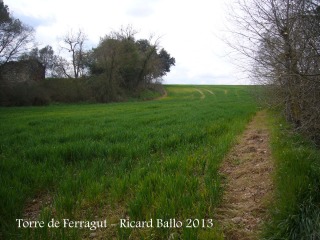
(295, 212)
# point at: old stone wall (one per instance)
(26, 71)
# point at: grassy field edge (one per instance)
(295, 212)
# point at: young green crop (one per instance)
(142, 160)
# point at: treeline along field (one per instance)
(140, 160)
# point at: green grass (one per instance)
(144, 160)
(295, 213)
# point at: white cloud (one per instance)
(189, 30)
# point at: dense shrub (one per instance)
(69, 90)
(23, 94)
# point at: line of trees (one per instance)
(281, 40)
(119, 65)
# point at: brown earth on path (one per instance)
(34, 206)
(248, 183)
(165, 94)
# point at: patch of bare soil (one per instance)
(34, 206)
(248, 184)
(165, 94)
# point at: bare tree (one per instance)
(74, 43)
(281, 41)
(15, 37)
(60, 68)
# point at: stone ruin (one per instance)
(24, 71)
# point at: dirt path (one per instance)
(212, 93)
(248, 184)
(34, 206)
(202, 94)
(165, 94)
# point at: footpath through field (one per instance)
(248, 184)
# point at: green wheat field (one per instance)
(138, 161)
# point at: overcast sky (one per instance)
(190, 30)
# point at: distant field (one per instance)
(139, 160)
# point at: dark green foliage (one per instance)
(24, 94)
(166, 61)
(123, 63)
(44, 55)
(69, 90)
(4, 13)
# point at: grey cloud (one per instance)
(34, 21)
